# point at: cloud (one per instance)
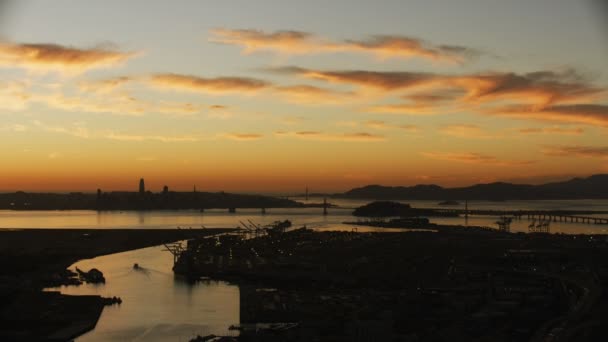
(552, 130)
(79, 130)
(160, 138)
(307, 94)
(121, 103)
(466, 131)
(378, 124)
(105, 86)
(407, 109)
(14, 95)
(588, 114)
(385, 80)
(217, 85)
(19, 128)
(76, 129)
(406, 47)
(474, 158)
(292, 120)
(539, 93)
(255, 40)
(541, 87)
(243, 136)
(299, 93)
(383, 46)
(321, 136)
(577, 151)
(58, 57)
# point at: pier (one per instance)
(544, 215)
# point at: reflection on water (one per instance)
(312, 217)
(156, 305)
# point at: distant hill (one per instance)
(139, 201)
(593, 187)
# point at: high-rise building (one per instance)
(142, 186)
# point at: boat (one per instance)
(449, 203)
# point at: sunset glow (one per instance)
(196, 93)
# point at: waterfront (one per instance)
(311, 217)
(157, 306)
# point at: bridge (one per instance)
(541, 215)
(574, 216)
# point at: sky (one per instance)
(276, 96)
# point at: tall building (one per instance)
(142, 186)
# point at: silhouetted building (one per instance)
(142, 186)
(165, 190)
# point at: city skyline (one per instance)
(289, 96)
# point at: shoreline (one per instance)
(34, 259)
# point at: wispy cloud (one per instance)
(466, 131)
(576, 151)
(307, 94)
(160, 138)
(379, 124)
(58, 57)
(321, 136)
(76, 129)
(588, 114)
(243, 136)
(552, 130)
(563, 96)
(541, 87)
(382, 46)
(105, 85)
(14, 128)
(14, 96)
(474, 158)
(120, 103)
(215, 85)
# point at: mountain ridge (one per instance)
(592, 187)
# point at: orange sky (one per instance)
(239, 100)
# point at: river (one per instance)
(156, 306)
(311, 217)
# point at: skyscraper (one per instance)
(142, 186)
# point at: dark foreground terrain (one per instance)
(449, 284)
(33, 259)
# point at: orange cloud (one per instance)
(208, 85)
(378, 124)
(588, 114)
(577, 151)
(105, 86)
(298, 42)
(58, 57)
(317, 135)
(14, 95)
(121, 103)
(552, 130)
(160, 138)
(406, 47)
(466, 131)
(474, 158)
(243, 136)
(408, 109)
(307, 94)
(542, 88)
